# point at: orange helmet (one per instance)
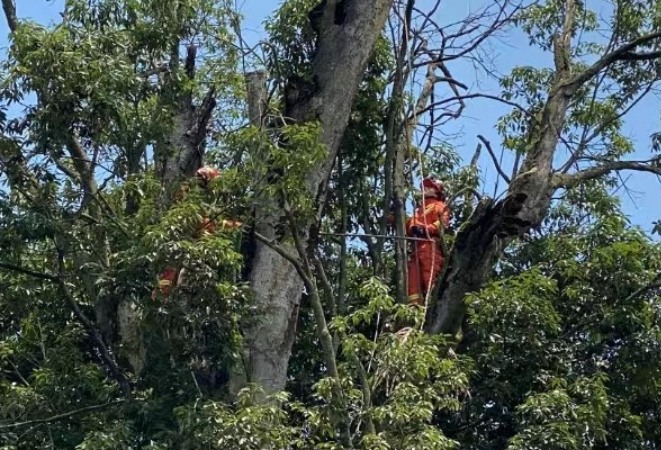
(432, 183)
(206, 174)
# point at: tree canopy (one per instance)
(542, 332)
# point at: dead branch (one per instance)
(476, 95)
(500, 170)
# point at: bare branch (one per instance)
(476, 95)
(257, 91)
(569, 181)
(500, 170)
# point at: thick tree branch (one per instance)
(9, 8)
(493, 224)
(339, 63)
(633, 56)
(571, 180)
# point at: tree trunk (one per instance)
(493, 225)
(182, 153)
(177, 158)
(338, 68)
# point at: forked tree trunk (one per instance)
(338, 68)
(494, 224)
(177, 158)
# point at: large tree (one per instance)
(321, 132)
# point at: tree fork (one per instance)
(493, 225)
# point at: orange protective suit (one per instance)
(170, 278)
(426, 259)
(166, 281)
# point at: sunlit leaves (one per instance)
(571, 418)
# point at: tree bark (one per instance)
(338, 68)
(182, 153)
(256, 91)
(9, 7)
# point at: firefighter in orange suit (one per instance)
(172, 277)
(428, 222)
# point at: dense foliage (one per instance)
(560, 348)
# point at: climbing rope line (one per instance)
(410, 131)
(375, 236)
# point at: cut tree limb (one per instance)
(500, 170)
(183, 151)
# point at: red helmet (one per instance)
(432, 183)
(206, 174)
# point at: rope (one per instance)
(422, 176)
(376, 236)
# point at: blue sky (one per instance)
(643, 201)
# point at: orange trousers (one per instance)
(424, 266)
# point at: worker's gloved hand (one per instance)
(418, 231)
